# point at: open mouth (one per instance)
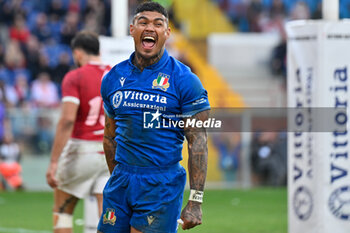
(148, 42)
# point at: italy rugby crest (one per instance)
(109, 217)
(161, 82)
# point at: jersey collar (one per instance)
(154, 66)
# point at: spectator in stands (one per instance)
(32, 56)
(62, 68)
(275, 21)
(22, 89)
(269, 158)
(300, 11)
(74, 6)
(254, 15)
(10, 168)
(44, 92)
(2, 55)
(41, 28)
(19, 31)
(44, 66)
(14, 57)
(95, 9)
(91, 23)
(3, 120)
(56, 10)
(317, 14)
(229, 150)
(70, 27)
(10, 9)
(8, 94)
(44, 137)
(107, 18)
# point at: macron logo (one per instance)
(122, 80)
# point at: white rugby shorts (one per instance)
(82, 169)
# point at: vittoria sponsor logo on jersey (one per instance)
(138, 99)
(155, 120)
(161, 82)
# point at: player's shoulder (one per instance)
(116, 69)
(72, 74)
(181, 70)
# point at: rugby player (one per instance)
(145, 190)
(78, 167)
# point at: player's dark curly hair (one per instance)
(151, 6)
(87, 41)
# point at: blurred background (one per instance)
(236, 47)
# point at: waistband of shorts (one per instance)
(147, 170)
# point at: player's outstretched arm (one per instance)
(109, 144)
(191, 215)
(63, 132)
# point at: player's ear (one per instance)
(167, 32)
(131, 29)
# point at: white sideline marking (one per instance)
(21, 230)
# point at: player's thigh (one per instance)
(64, 202)
(158, 199)
(116, 212)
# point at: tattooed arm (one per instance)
(197, 167)
(109, 144)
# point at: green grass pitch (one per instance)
(224, 211)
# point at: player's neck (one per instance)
(90, 59)
(140, 62)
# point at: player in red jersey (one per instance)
(78, 166)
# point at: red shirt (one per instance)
(21, 35)
(82, 86)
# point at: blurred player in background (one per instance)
(144, 193)
(10, 167)
(78, 166)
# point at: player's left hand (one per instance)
(191, 215)
(50, 175)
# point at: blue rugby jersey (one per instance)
(145, 106)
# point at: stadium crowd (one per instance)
(35, 55)
(34, 45)
(35, 37)
(266, 15)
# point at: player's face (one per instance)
(150, 31)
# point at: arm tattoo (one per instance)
(198, 153)
(109, 144)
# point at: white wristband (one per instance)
(196, 196)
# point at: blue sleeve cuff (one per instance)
(110, 115)
(195, 111)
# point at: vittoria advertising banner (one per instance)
(318, 162)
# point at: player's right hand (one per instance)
(50, 175)
(191, 215)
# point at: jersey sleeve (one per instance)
(194, 98)
(107, 105)
(70, 88)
